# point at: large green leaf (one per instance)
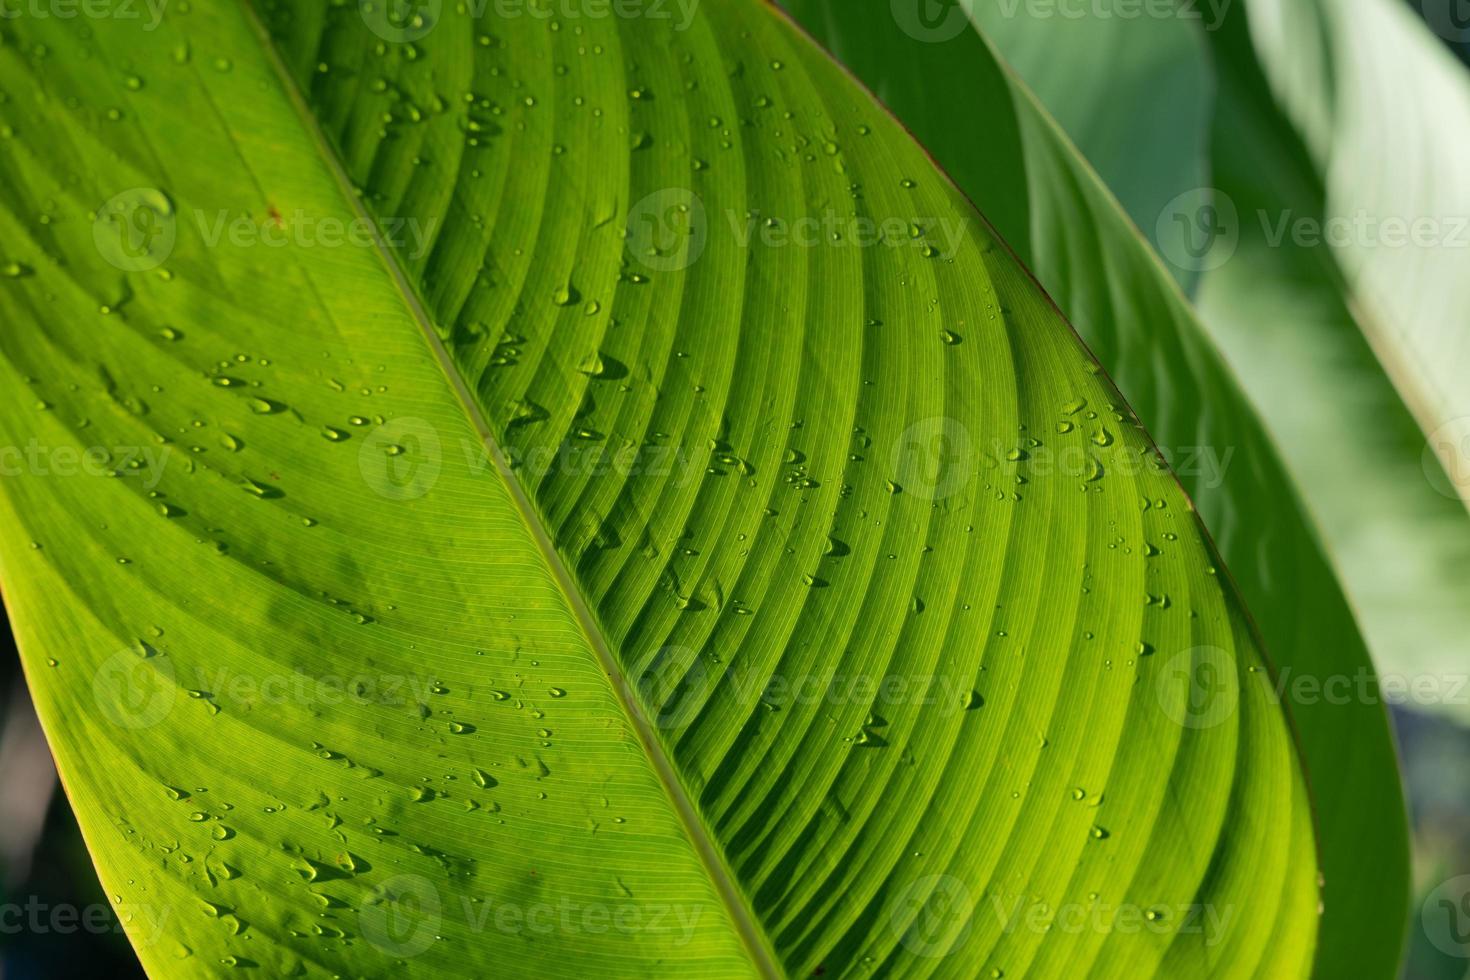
(488, 495)
(1145, 334)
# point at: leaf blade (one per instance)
(783, 835)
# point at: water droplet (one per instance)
(264, 406)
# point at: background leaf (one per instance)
(1133, 93)
(1318, 249)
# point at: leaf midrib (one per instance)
(742, 916)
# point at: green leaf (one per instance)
(584, 492)
(1360, 77)
(1365, 253)
(1133, 93)
(1148, 338)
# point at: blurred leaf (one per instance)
(1145, 131)
(1288, 318)
(1384, 111)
